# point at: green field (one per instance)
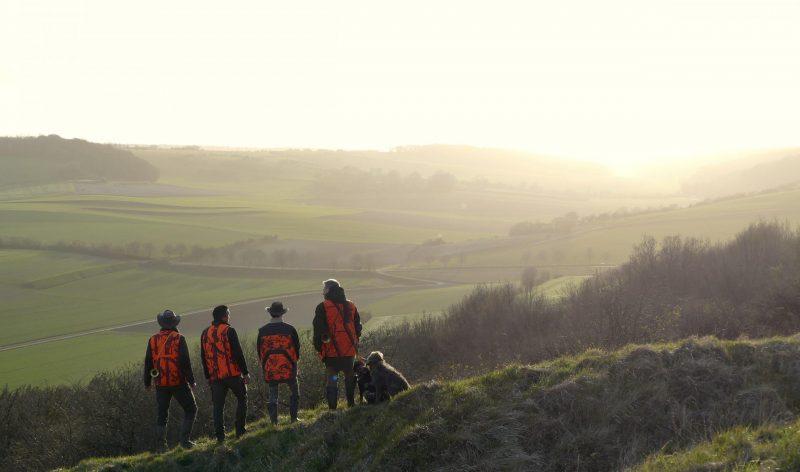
(558, 287)
(71, 360)
(413, 305)
(56, 293)
(204, 221)
(456, 239)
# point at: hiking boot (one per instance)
(332, 395)
(272, 409)
(350, 392)
(186, 432)
(161, 438)
(187, 444)
(293, 404)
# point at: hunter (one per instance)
(279, 350)
(225, 369)
(337, 329)
(167, 365)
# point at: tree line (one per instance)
(352, 180)
(253, 252)
(30, 160)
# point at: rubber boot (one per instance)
(241, 416)
(350, 391)
(186, 432)
(161, 438)
(272, 409)
(332, 395)
(293, 403)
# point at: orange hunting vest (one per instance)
(164, 349)
(278, 357)
(217, 353)
(344, 342)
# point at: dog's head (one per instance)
(360, 367)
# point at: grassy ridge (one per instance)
(595, 411)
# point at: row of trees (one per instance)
(352, 180)
(250, 252)
(558, 226)
(570, 221)
(130, 250)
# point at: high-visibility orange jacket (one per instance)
(342, 324)
(278, 349)
(166, 361)
(221, 352)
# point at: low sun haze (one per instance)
(622, 82)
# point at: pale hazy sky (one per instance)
(621, 81)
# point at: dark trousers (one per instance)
(185, 397)
(183, 394)
(334, 365)
(294, 399)
(219, 390)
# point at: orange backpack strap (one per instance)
(165, 350)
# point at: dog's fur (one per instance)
(366, 391)
(387, 380)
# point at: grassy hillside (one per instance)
(591, 412)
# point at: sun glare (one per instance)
(616, 82)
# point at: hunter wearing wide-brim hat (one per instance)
(168, 366)
(337, 329)
(278, 348)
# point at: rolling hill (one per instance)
(50, 159)
(749, 173)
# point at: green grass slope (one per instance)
(596, 411)
(769, 448)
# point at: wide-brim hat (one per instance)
(277, 309)
(168, 319)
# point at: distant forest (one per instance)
(48, 159)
